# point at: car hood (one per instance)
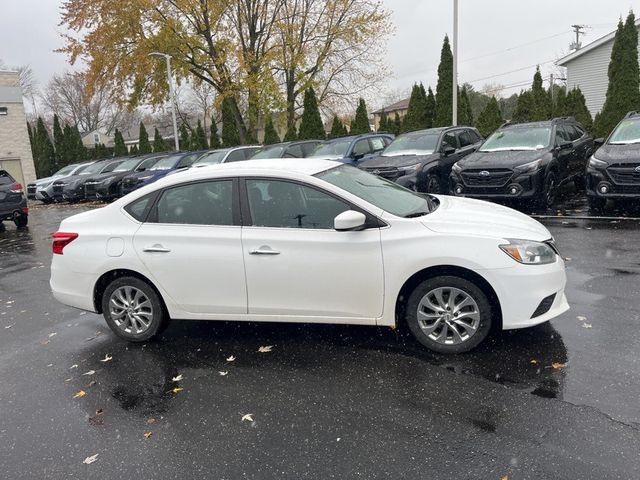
(504, 159)
(476, 217)
(71, 179)
(150, 173)
(107, 175)
(42, 181)
(399, 160)
(619, 153)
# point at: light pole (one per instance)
(455, 63)
(172, 95)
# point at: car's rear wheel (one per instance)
(550, 191)
(133, 309)
(449, 314)
(21, 220)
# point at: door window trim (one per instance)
(371, 222)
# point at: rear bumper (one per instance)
(9, 209)
(71, 288)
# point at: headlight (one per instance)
(456, 167)
(529, 252)
(595, 163)
(529, 167)
(410, 168)
(146, 177)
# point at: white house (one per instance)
(588, 67)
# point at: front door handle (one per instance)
(264, 250)
(156, 248)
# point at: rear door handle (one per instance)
(156, 248)
(264, 250)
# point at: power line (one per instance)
(511, 71)
(514, 47)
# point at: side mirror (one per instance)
(598, 142)
(349, 221)
(141, 169)
(448, 150)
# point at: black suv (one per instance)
(525, 161)
(614, 169)
(13, 202)
(422, 160)
(299, 149)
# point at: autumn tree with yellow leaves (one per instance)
(261, 55)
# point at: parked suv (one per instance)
(525, 161)
(71, 188)
(299, 149)
(164, 166)
(226, 155)
(43, 189)
(352, 149)
(13, 202)
(614, 169)
(422, 160)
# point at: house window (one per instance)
(96, 138)
(3, 110)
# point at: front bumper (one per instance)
(522, 288)
(600, 183)
(73, 194)
(504, 185)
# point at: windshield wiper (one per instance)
(416, 214)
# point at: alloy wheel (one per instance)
(448, 315)
(131, 310)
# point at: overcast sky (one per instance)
(496, 36)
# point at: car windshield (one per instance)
(111, 167)
(519, 138)
(416, 142)
(382, 193)
(127, 165)
(270, 152)
(66, 170)
(332, 149)
(93, 168)
(627, 132)
(214, 157)
(165, 163)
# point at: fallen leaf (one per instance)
(107, 358)
(90, 372)
(557, 365)
(177, 379)
(177, 390)
(75, 365)
(581, 318)
(231, 358)
(506, 477)
(265, 349)
(586, 325)
(534, 361)
(147, 434)
(9, 326)
(68, 379)
(247, 417)
(151, 421)
(44, 342)
(50, 365)
(91, 459)
(91, 383)
(80, 394)
(52, 334)
(223, 373)
(99, 411)
(567, 259)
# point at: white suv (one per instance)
(307, 241)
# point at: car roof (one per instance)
(306, 166)
(356, 137)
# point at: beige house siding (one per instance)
(14, 138)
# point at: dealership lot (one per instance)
(556, 401)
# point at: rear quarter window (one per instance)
(139, 209)
(5, 178)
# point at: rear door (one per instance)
(566, 157)
(6, 181)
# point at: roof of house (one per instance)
(394, 107)
(587, 48)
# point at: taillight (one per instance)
(16, 188)
(61, 240)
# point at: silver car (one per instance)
(42, 189)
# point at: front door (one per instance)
(192, 247)
(297, 265)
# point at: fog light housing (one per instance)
(514, 189)
(458, 189)
(604, 188)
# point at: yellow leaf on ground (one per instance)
(557, 365)
(534, 361)
(147, 434)
(81, 393)
(265, 349)
(177, 390)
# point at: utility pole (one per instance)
(455, 63)
(578, 30)
(551, 90)
(172, 95)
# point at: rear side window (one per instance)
(308, 148)
(5, 178)
(139, 208)
(377, 144)
(236, 156)
(562, 135)
(294, 151)
(203, 203)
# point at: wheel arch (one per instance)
(108, 277)
(453, 270)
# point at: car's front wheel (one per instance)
(21, 220)
(449, 314)
(133, 309)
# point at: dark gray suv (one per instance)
(13, 202)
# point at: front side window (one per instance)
(627, 132)
(236, 156)
(449, 140)
(337, 149)
(464, 137)
(518, 138)
(294, 151)
(111, 167)
(282, 204)
(213, 157)
(360, 148)
(270, 152)
(165, 163)
(203, 203)
(377, 144)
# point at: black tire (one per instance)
(21, 220)
(580, 183)
(482, 306)
(158, 319)
(549, 191)
(596, 204)
(431, 184)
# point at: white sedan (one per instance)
(307, 241)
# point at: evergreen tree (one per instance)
(623, 91)
(159, 144)
(58, 145)
(382, 124)
(185, 140)
(397, 125)
(416, 111)
(214, 139)
(360, 124)
(490, 118)
(444, 88)
(45, 154)
(576, 106)
(143, 140)
(134, 151)
(30, 132)
(525, 108)
(230, 134)
(559, 102)
(119, 147)
(540, 99)
(465, 115)
(430, 109)
(291, 134)
(78, 150)
(311, 126)
(199, 139)
(270, 134)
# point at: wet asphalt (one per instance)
(558, 401)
